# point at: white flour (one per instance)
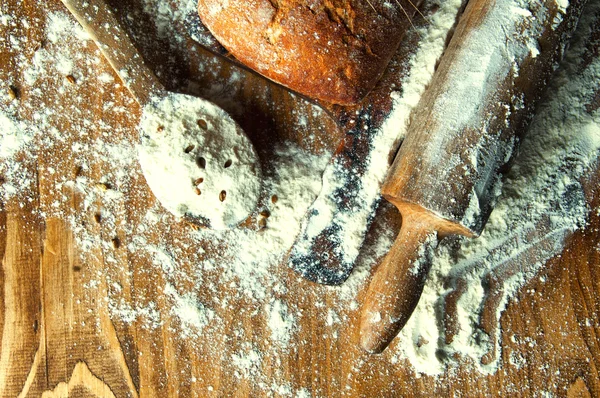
(191, 313)
(541, 203)
(14, 136)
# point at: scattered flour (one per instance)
(167, 15)
(248, 362)
(14, 136)
(193, 315)
(281, 322)
(541, 203)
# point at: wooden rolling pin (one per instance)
(446, 175)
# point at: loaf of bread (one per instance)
(330, 50)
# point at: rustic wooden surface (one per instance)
(59, 337)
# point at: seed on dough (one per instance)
(262, 223)
(265, 213)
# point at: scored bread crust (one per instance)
(330, 50)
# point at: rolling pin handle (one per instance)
(397, 285)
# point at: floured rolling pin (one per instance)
(447, 173)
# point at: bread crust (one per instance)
(330, 50)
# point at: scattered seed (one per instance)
(422, 341)
(98, 218)
(199, 181)
(196, 227)
(202, 123)
(228, 163)
(71, 79)
(222, 196)
(103, 186)
(39, 45)
(76, 268)
(77, 172)
(12, 93)
(199, 192)
(160, 129)
(201, 162)
(116, 242)
(265, 213)
(189, 148)
(262, 223)
(274, 199)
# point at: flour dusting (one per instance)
(211, 288)
(281, 322)
(192, 314)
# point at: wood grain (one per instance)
(60, 336)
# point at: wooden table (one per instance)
(72, 263)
